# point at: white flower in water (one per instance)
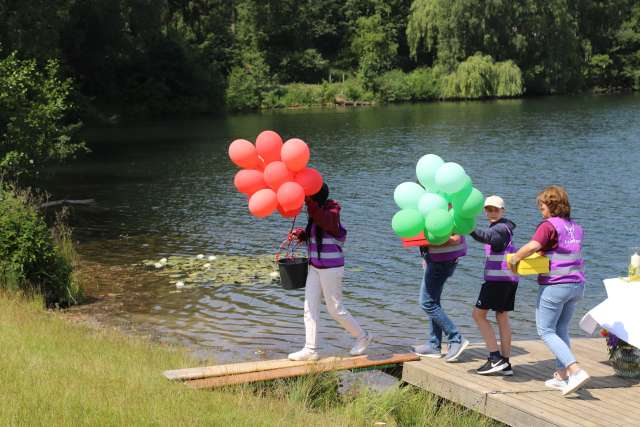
(31, 161)
(200, 256)
(274, 275)
(212, 257)
(207, 265)
(180, 284)
(158, 265)
(163, 261)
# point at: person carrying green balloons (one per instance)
(443, 206)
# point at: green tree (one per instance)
(34, 117)
(375, 44)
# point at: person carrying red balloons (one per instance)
(326, 237)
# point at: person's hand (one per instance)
(513, 263)
(298, 234)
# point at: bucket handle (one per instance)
(289, 245)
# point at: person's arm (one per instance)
(496, 236)
(327, 217)
(544, 237)
(529, 249)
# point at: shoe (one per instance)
(575, 381)
(361, 344)
(492, 366)
(508, 371)
(556, 382)
(427, 350)
(304, 354)
(455, 350)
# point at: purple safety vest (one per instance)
(565, 262)
(448, 253)
(496, 268)
(331, 251)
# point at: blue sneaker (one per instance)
(455, 350)
(427, 350)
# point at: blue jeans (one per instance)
(554, 309)
(435, 275)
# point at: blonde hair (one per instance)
(557, 200)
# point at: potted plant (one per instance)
(624, 357)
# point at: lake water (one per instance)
(165, 188)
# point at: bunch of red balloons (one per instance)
(275, 174)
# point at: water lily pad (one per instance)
(221, 270)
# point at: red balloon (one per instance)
(268, 146)
(289, 214)
(263, 202)
(248, 181)
(291, 196)
(243, 153)
(295, 154)
(310, 179)
(276, 174)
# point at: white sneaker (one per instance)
(361, 344)
(556, 383)
(576, 381)
(304, 354)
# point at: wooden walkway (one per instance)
(523, 400)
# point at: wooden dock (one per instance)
(523, 400)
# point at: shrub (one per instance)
(425, 83)
(29, 259)
(394, 86)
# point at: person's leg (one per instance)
(331, 283)
(551, 302)
(480, 317)
(435, 276)
(312, 308)
(563, 325)
(502, 317)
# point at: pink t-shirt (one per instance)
(546, 235)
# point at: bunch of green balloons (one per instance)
(443, 203)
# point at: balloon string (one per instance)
(293, 223)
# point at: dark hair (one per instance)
(557, 200)
(320, 198)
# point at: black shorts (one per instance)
(498, 296)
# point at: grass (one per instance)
(56, 372)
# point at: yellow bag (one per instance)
(533, 264)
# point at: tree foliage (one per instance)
(170, 56)
(34, 111)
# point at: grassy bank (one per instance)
(56, 372)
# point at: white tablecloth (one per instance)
(619, 313)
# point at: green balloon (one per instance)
(407, 223)
(436, 240)
(430, 201)
(407, 195)
(463, 225)
(471, 206)
(439, 222)
(461, 195)
(450, 177)
(426, 169)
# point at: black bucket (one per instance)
(293, 272)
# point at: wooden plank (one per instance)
(231, 369)
(322, 365)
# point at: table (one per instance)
(619, 313)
